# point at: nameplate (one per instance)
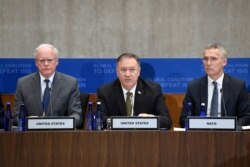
(134, 123)
(50, 123)
(211, 123)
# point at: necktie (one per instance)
(214, 103)
(46, 96)
(128, 103)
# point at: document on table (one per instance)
(179, 129)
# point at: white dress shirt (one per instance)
(132, 97)
(210, 93)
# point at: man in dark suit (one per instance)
(233, 98)
(146, 96)
(64, 93)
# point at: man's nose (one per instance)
(127, 72)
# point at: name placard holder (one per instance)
(50, 123)
(212, 123)
(134, 123)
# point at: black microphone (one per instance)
(51, 106)
(223, 102)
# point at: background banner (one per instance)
(172, 74)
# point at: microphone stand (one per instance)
(223, 101)
(50, 101)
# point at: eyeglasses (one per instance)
(43, 61)
(211, 59)
(124, 70)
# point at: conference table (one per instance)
(125, 148)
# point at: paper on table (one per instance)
(245, 127)
(179, 129)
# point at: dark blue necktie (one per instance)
(46, 96)
(214, 103)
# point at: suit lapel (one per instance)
(56, 87)
(120, 98)
(36, 89)
(226, 87)
(226, 90)
(203, 91)
(139, 92)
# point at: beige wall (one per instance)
(106, 28)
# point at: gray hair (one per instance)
(217, 46)
(48, 46)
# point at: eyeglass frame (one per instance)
(43, 61)
(211, 59)
(124, 70)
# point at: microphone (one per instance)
(223, 102)
(50, 102)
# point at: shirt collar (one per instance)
(131, 90)
(50, 78)
(219, 80)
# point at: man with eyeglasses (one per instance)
(61, 90)
(222, 94)
(130, 95)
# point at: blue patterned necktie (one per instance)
(46, 96)
(214, 103)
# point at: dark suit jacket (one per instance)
(149, 100)
(65, 97)
(236, 99)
